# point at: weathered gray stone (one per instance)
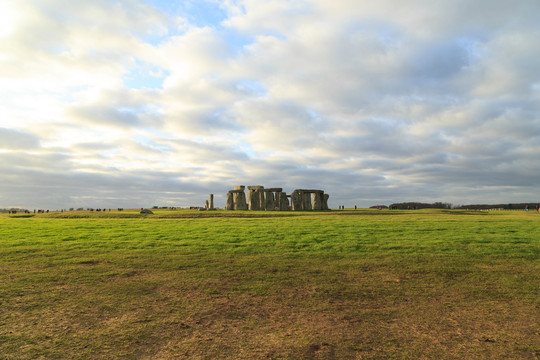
(306, 199)
(249, 193)
(270, 204)
(211, 202)
(252, 200)
(325, 201)
(236, 199)
(316, 198)
(296, 200)
(262, 199)
(283, 202)
(240, 201)
(277, 200)
(230, 201)
(255, 198)
(274, 189)
(206, 205)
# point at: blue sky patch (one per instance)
(145, 75)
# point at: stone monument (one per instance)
(275, 199)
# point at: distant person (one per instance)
(526, 207)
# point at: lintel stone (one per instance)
(273, 189)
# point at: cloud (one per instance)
(14, 139)
(375, 102)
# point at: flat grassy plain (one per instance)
(364, 284)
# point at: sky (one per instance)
(139, 103)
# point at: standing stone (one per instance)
(325, 201)
(270, 204)
(206, 205)
(277, 200)
(249, 194)
(252, 200)
(283, 202)
(262, 199)
(256, 198)
(306, 198)
(236, 199)
(230, 201)
(240, 201)
(211, 204)
(296, 200)
(316, 198)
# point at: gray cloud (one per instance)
(107, 116)
(15, 139)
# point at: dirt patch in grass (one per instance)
(319, 322)
(171, 315)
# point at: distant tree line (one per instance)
(418, 205)
(413, 205)
(517, 206)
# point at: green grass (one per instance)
(247, 285)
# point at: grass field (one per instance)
(427, 284)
